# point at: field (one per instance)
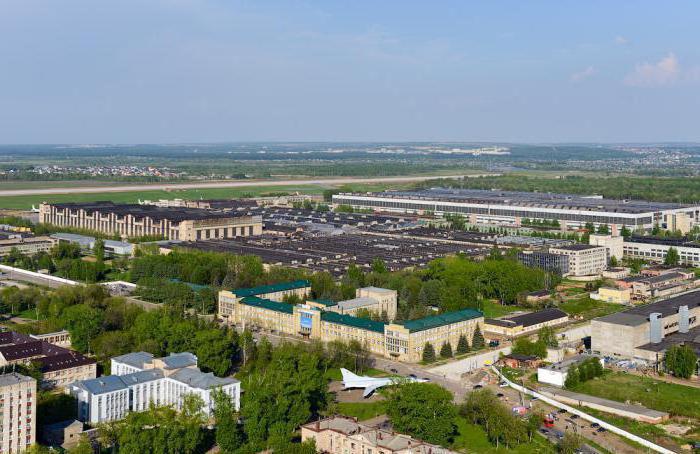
(362, 410)
(658, 395)
(493, 309)
(472, 438)
(588, 308)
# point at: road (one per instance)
(227, 184)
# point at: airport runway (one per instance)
(226, 184)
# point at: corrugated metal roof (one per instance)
(356, 322)
(268, 304)
(272, 288)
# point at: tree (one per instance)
(603, 229)
(84, 323)
(446, 350)
(482, 407)
(378, 266)
(422, 410)
(570, 444)
(533, 422)
(613, 261)
(478, 339)
(547, 335)
(681, 361)
(462, 345)
(672, 257)
(625, 232)
(214, 351)
(229, 434)
(525, 346)
(428, 353)
(572, 378)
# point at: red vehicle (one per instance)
(548, 422)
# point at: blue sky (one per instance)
(129, 71)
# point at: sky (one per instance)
(159, 71)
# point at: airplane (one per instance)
(370, 384)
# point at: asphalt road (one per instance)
(225, 184)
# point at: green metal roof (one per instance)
(356, 322)
(268, 304)
(325, 302)
(272, 288)
(440, 320)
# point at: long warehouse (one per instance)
(511, 208)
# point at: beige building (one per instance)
(28, 246)
(517, 325)
(342, 435)
(274, 292)
(187, 224)
(584, 259)
(612, 295)
(377, 301)
(316, 320)
(612, 244)
(18, 409)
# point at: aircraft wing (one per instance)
(370, 389)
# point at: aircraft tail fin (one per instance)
(347, 375)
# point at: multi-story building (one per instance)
(187, 224)
(517, 325)
(18, 412)
(614, 244)
(584, 259)
(509, 208)
(553, 263)
(343, 435)
(402, 341)
(140, 380)
(374, 300)
(645, 332)
(274, 292)
(59, 366)
(26, 245)
(653, 249)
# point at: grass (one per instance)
(658, 395)
(362, 410)
(588, 308)
(472, 438)
(493, 309)
(28, 313)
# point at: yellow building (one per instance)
(401, 341)
(274, 292)
(613, 295)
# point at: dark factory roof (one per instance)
(151, 211)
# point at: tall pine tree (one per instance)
(428, 353)
(446, 350)
(462, 345)
(478, 339)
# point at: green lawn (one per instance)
(493, 309)
(472, 439)
(658, 395)
(25, 202)
(588, 308)
(362, 410)
(28, 313)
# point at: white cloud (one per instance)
(664, 72)
(621, 40)
(583, 75)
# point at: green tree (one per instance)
(478, 339)
(547, 335)
(603, 229)
(572, 378)
(428, 353)
(214, 351)
(229, 434)
(570, 444)
(423, 410)
(446, 350)
(672, 257)
(681, 361)
(378, 266)
(462, 345)
(84, 323)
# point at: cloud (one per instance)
(583, 75)
(621, 40)
(664, 72)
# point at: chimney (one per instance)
(656, 332)
(683, 319)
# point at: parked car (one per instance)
(393, 371)
(478, 386)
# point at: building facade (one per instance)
(655, 250)
(509, 208)
(380, 302)
(140, 381)
(26, 245)
(18, 410)
(186, 224)
(584, 259)
(518, 325)
(553, 263)
(342, 435)
(614, 245)
(316, 320)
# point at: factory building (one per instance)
(645, 332)
(26, 245)
(655, 249)
(186, 224)
(552, 263)
(509, 208)
(518, 325)
(584, 259)
(318, 320)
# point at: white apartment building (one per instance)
(584, 259)
(18, 412)
(655, 250)
(140, 380)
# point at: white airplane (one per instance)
(370, 384)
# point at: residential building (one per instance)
(645, 332)
(343, 435)
(26, 245)
(584, 259)
(518, 325)
(59, 366)
(18, 412)
(509, 208)
(140, 380)
(186, 224)
(318, 320)
(556, 374)
(553, 263)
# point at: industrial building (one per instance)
(140, 381)
(18, 413)
(343, 435)
(402, 341)
(556, 373)
(654, 249)
(187, 224)
(517, 325)
(552, 263)
(645, 332)
(509, 208)
(584, 259)
(28, 245)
